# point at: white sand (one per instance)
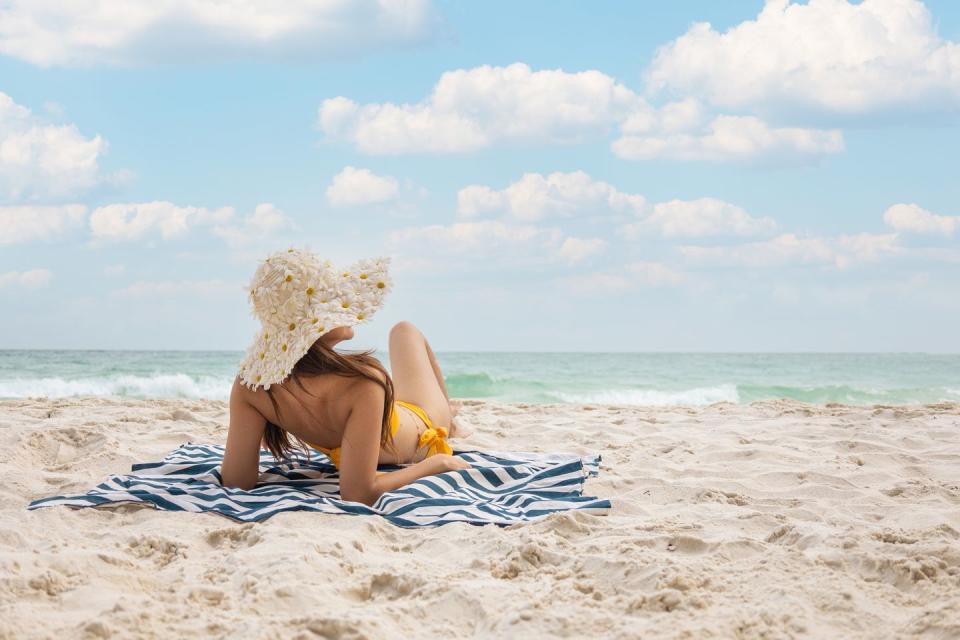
(774, 520)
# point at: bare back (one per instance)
(316, 415)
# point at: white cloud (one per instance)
(265, 221)
(352, 187)
(480, 238)
(576, 250)
(27, 223)
(536, 196)
(865, 247)
(911, 218)
(483, 244)
(829, 55)
(789, 249)
(470, 109)
(700, 217)
(175, 288)
(724, 138)
(139, 220)
(513, 237)
(124, 222)
(478, 199)
(44, 161)
(630, 276)
(489, 243)
(33, 279)
(91, 32)
(114, 270)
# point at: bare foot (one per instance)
(457, 429)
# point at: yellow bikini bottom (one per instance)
(434, 437)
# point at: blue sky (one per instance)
(545, 175)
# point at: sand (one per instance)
(772, 520)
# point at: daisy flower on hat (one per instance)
(297, 298)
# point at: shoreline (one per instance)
(770, 402)
(770, 519)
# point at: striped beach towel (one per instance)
(502, 488)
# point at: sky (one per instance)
(544, 176)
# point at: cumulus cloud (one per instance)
(353, 187)
(515, 236)
(576, 250)
(39, 160)
(32, 279)
(477, 239)
(700, 217)
(133, 221)
(535, 196)
(265, 221)
(488, 243)
(91, 32)
(136, 221)
(911, 218)
(790, 249)
(478, 199)
(725, 137)
(829, 55)
(28, 223)
(470, 109)
(631, 276)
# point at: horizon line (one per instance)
(497, 351)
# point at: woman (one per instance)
(293, 382)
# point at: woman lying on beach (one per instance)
(292, 382)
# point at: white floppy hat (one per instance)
(297, 298)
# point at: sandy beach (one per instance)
(770, 520)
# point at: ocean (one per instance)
(608, 378)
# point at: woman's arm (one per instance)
(360, 450)
(241, 459)
(336, 335)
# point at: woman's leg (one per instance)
(457, 430)
(436, 370)
(416, 375)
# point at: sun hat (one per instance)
(298, 297)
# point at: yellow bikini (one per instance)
(433, 437)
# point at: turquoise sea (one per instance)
(611, 378)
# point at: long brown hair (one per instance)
(318, 360)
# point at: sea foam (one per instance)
(176, 385)
(653, 397)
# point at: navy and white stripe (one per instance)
(501, 488)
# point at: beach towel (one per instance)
(502, 488)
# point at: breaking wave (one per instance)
(176, 385)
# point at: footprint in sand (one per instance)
(234, 537)
(160, 550)
(54, 448)
(388, 586)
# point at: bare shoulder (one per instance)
(240, 393)
(364, 390)
(244, 398)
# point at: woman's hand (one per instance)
(393, 480)
(443, 462)
(336, 335)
